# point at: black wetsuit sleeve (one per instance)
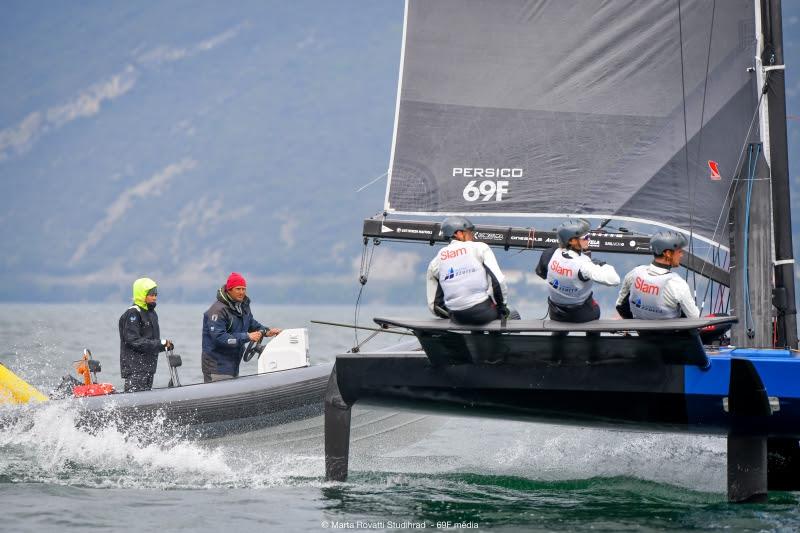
(497, 290)
(544, 259)
(624, 309)
(439, 309)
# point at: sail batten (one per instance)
(573, 108)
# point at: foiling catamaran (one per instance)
(667, 113)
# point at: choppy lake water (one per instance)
(408, 471)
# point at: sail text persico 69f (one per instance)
(465, 172)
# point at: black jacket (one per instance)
(139, 342)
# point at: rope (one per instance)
(373, 181)
(715, 251)
(686, 146)
(729, 195)
(705, 82)
(363, 276)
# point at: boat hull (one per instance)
(206, 410)
(659, 397)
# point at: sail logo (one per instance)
(489, 236)
(637, 303)
(456, 272)
(451, 254)
(560, 270)
(714, 168)
(563, 288)
(487, 172)
(485, 190)
(647, 288)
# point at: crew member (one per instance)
(139, 338)
(570, 274)
(464, 281)
(653, 291)
(228, 326)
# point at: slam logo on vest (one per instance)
(556, 267)
(647, 288)
(452, 254)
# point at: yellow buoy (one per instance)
(16, 390)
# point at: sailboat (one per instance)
(655, 114)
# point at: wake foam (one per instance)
(47, 445)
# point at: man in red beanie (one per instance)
(228, 326)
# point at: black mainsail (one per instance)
(637, 112)
(640, 111)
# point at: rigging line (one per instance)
(732, 187)
(700, 134)
(357, 347)
(728, 303)
(711, 306)
(705, 83)
(528, 242)
(725, 263)
(686, 151)
(373, 181)
(363, 277)
(350, 326)
(709, 287)
(721, 295)
(729, 195)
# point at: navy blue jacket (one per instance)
(225, 329)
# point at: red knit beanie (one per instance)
(235, 280)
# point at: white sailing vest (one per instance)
(566, 288)
(647, 295)
(462, 276)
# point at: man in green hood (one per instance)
(139, 338)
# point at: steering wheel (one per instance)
(254, 347)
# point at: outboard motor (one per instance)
(88, 368)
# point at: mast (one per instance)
(761, 211)
(784, 292)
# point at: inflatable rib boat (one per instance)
(286, 389)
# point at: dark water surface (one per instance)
(408, 471)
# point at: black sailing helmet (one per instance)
(572, 228)
(666, 240)
(451, 225)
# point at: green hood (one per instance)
(140, 288)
